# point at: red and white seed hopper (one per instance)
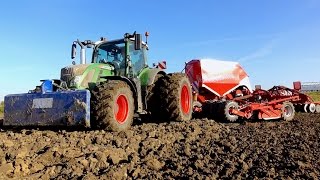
(218, 77)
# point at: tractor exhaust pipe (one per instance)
(83, 56)
(82, 52)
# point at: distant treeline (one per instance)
(310, 86)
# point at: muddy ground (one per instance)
(201, 149)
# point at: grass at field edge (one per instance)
(314, 95)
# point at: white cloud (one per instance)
(259, 53)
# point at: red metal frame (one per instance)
(282, 92)
(268, 104)
(271, 109)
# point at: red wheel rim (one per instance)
(122, 109)
(185, 99)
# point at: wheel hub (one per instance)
(185, 99)
(121, 112)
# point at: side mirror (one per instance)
(137, 42)
(73, 51)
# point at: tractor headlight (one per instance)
(75, 81)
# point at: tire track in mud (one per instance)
(196, 149)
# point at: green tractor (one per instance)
(120, 84)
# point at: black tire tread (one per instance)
(102, 102)
(153, 99)
(290, 118)
(170, 87)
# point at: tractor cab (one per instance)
(125, 57)
(122, 55)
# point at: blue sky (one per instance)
(277, 42)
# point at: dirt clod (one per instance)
(154, 164)
(6, 168)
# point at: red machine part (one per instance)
(304, 104)
(275, 103)
(226, 94)
(215, 80)
(161, 65)
(263, 104)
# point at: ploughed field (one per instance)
(196, 149)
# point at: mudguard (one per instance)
(152, 75)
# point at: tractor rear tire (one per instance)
(176, 97)
(112, 106)
(153, 98)
(288, 111)
(226, 111)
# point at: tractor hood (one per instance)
(84, 76)
(70, 72)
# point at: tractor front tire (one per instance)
(288, 111)
(112, 106)
(176, 97)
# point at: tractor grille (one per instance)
(68, 73)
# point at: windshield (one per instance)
(115, 53)
(111, 52)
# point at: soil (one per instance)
(199, 149)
